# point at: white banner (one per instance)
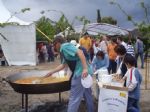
(19, 44)
(112, 100)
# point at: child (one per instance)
(133, 80)
(100, 61)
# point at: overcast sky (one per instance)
(72, 8)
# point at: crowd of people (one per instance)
(45, 52)
(88, 55)
(107, 45)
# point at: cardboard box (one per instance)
(112, 99)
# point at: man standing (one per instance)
(112, 56)
(86, 42)
(104, 44)
(139, 50)
(50, 51)
(121, 53)
(121, 42)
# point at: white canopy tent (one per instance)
(18, 43)
(101, 28)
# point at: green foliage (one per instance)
(46, 27)
(109, 20)
(62, 24)
(143, 26)
(145, 11)
(83, 19)
(10, 23)
(25, 9)
(73, 37)
(144, 29)
(145, 34)
(129, 18)
(142, 4)
(51, 28)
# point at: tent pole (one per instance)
(43, 34)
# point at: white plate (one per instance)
(87, 82)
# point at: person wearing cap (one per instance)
(75, 60)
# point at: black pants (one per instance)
(112, 66)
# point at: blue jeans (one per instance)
(141, 57)
(77, 92)
(133, 105)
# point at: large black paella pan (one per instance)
(36, 88)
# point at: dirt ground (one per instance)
(10, 101)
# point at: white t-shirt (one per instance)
(131, 81)
(103, 46)
(124, 44)
(96, 49)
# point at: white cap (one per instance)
(73, 42)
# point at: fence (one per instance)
(147, 73)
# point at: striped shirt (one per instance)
(130, 50)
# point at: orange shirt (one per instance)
(86, 43)
(111, 52)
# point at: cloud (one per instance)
(72, 8)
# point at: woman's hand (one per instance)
(84, 73)
(58, 68)
(121, 80)
(48, 74)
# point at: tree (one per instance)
(62, 24)
(143, 26)
(109, 20)
(44, 24)
(98, 16)
(84, 21)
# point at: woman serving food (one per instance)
(76, 61)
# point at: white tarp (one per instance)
(101, 28)
(20, 46)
